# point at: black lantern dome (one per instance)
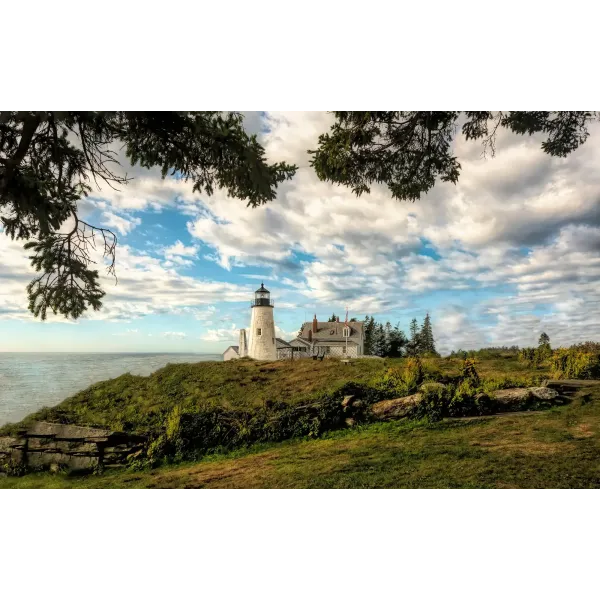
(262, 296)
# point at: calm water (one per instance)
(29, 381)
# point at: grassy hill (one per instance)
(140, 404)
(559, 448)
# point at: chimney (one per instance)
(314, 327)
(337, 319)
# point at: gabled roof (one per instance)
(281, 343)
(299, 340)
(236, 348)
(333, 331)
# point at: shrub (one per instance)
(433, 405)
(401, 382)
(469, 400)
(391, 382)
(413, 374)
(190, 433)
(469, 372)
(575, 363)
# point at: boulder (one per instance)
(396, 408)
(544, 393)
(512, 396)
(347, 401)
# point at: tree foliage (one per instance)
(49, 160)
(410, 150)
(427, 345)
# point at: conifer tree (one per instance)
(388, 334)
(426, 338)
(409, 151)
(414, 345)
(379, 340)
(397, 341)
(369, 330)
(48, 161)
(333, 318)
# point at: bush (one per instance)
(413, 374)
(469, 400)
(433, 405)
(401, 382)
(575, 363)
(469, 372)
(191, 433)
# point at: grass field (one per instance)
(140, 404)
(559, 448)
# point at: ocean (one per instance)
(30, 381)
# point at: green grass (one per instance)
(559, 448)
(141, 404)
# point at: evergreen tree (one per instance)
(397, 341)
(409, 151)
(333, 318)
(413, 347)
(379, 340)
(426, 337)
(48, 160)
(387, 341)
(369, 330)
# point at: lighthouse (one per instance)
(262, 327)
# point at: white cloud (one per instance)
(122, 225)
(222, 334)
(180, 335)
(523, 225)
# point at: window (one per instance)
(259, 331)
(346, 331)
(273, 340)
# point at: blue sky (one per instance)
(508, 252)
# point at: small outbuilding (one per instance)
(231, 353)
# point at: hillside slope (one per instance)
(140, 404)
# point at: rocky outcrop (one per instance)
(512, 396)
(397, 408)
(522, 396)
(544, 393)
(74, 448)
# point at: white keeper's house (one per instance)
(316, 338)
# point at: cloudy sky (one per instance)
(512, 250)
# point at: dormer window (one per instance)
(346, 331)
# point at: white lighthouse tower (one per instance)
(262, 327)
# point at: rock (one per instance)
(512, 396)
(347, 401)
(349, 422)
(544, 393)
(481, 397)
(395, 409)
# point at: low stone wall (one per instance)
(56, 446)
